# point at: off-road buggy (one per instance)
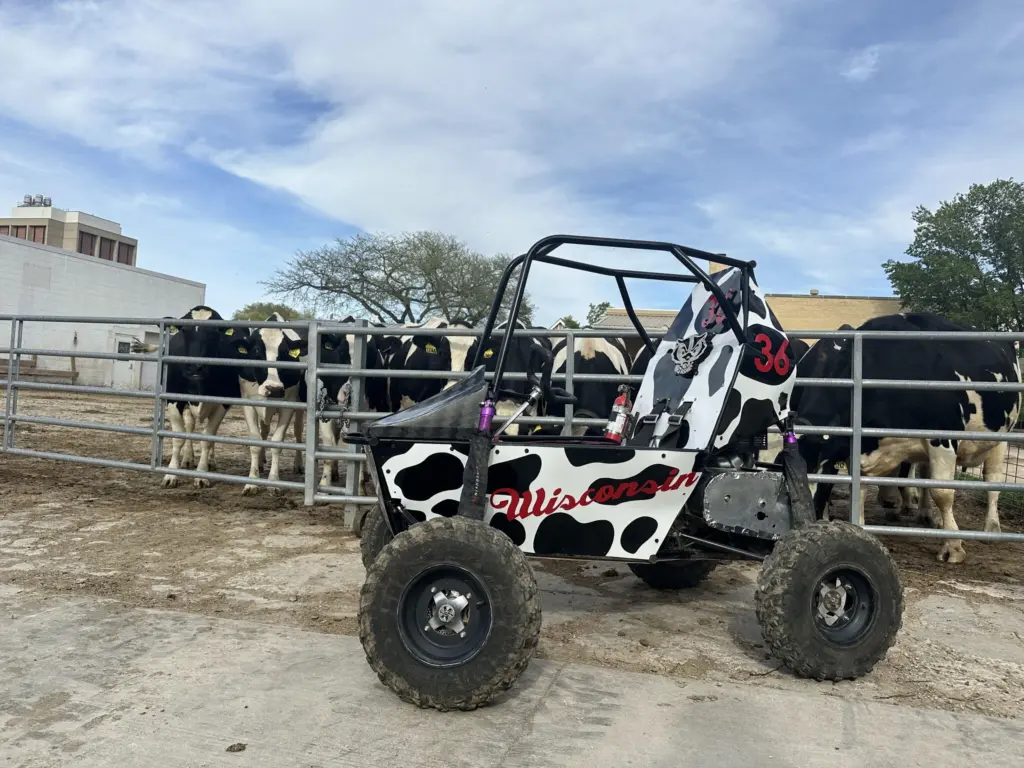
(450, 614)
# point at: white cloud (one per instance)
(506, 121)
(862, 65)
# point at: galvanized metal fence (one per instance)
(356, 412)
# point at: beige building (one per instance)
(796, 312)
(38, 221)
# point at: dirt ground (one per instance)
(83, 530)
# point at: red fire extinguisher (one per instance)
(618, 424)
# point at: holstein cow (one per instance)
(272, 385)
(516, 362)
(198, 379)
(431, 352)
(594, 400)
(336, 349)
(921, 360)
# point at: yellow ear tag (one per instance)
(243, 350)
(490, 353)
(328, 347)
(431, 349)
(537, 428)
(841, 466)
(172, 329)
(229, 331)
(295, 353)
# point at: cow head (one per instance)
(825, 406)
(201, 341)
(430, 352)
(275, 345)
(516, 361)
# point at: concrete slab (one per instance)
(87, 682)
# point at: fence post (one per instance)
(8, 443)
(570, 369)
(156, 452)
(312, 397)
(12, 425)
(353, 469)
(856, 409)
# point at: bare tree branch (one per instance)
(397, 279)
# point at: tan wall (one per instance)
(827, 313)
(54, 229)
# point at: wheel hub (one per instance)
(832, 607)
(448, 611)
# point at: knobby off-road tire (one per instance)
(786, 601)
(507, 609)
(374, 535)
(674, 575)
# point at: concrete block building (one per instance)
(38, 278)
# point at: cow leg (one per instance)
(188, 457)
(284, 415)
(177, 425)
(330, 442)
(300, 423)
(994, 471)
(942, 460)
(252, 421)
(214, 417)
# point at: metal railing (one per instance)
(352, 457)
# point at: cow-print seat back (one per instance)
(722, 389)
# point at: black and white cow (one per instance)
(272, 385)
(431, 352)
(198, 379)
(594, 400)
(336, 349)
(517, 361)
(811, 364)
(922, 360)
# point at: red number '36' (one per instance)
(778, 360)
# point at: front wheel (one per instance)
(449, 614)
(829, 601)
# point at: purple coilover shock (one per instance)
(486, 415)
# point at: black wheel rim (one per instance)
(844, 605)
(444, 615)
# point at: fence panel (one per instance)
(355, 412)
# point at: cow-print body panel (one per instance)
(736, 391)
(551, 500)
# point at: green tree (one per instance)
(397, 279)
(596, 311)
(261, 310)
(968, 258)
(569, 322)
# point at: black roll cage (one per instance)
(541, 251)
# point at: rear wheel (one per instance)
(829, 601)
(673, 575)
(374, 535)
(449, 614)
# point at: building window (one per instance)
(5, 229)
(37, 234)
(106, 249)
(125, 253)
(124, 348)
(86, 243)
(19, 232)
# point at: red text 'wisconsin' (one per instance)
(539, 503)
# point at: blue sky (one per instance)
(799, 133)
